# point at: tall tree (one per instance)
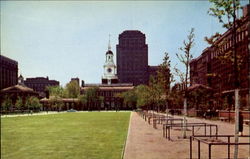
(185, 57)
(56, 91)
(73, 89)
(156, 92)
(165, 77)
(143, 96)
(19, 103)
(224, 11)
(56, 94)
(227, 10)
(82, 99)
(92, 97)
(7, 103)
(129, 98)
(33, 103)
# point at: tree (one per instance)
(92, 97)
(7, 103)
(73, 89)
(56, 94)
(156, 91)
(19, 103)
(101, 100)
(56, 91)
(200, 98)
(129, 98)
(224, 11)
(176, 96)
(185, 57)
(82, 99)
(56, 102)
(143, 96)
(228, 9)
(33, 103)
(164, 77)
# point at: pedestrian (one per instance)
(240, 124)
(205, 115)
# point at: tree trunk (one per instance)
(184, 119)
(236, 135)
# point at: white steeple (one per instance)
(109, 46)
(109, 67)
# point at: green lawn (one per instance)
(87, 135)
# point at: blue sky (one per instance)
(65, 39)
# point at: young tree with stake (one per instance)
(185, 57)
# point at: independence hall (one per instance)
(211, 70)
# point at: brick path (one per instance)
(145, 142)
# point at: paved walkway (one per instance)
(145, 142)
(28, 114)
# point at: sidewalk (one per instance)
(26, 114)
(145, 142)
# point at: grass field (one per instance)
(85, 135)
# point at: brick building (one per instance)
(8, 72)
(108, 92)
(39, 84)
(208, 69)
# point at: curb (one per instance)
(125, 142)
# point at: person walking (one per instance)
(240, 124)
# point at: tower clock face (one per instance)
(109, 70)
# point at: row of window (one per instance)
(228, 43)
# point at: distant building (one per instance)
(108, 92)
(8, 72)
(152, 70)
(208, 69)
(39, 84)
(76, 79)
(16, 91)
(132, 58)
(110, 86)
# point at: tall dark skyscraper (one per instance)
(132, 58)
(8, 72)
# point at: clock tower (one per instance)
(109, 76)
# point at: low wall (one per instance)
(231, 115)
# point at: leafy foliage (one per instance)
(129, 98)
(33, 103)
(164, 76)
(143, 96)
(7, 103)
(19, 103)
(224, 11)
(91, 97)
(73, 89)
(57, 91)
